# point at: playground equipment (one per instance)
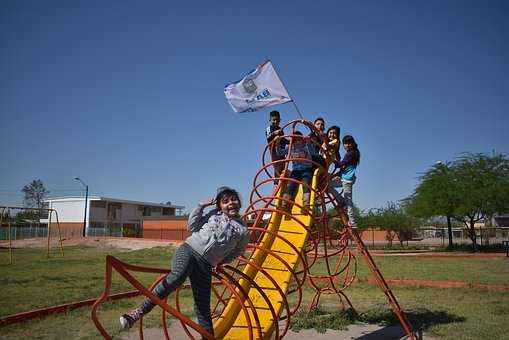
(5, 213)
(252, 296)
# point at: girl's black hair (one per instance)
(334, 127)
(350, 140)
(319, 118)
(223, 191)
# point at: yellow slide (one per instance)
(232, 323)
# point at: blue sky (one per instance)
(129, 95)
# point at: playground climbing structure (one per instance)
(257, 295)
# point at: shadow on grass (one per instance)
(421, 319)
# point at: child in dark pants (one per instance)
(347, 166)
(300, 170)
(217, 237)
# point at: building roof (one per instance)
(109, 199)
(502, 221)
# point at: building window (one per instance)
(112, 210)
(168, 211)
(98, 204)
(96, 224)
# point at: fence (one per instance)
(436, 236)
(484, 236)
(23, 231)
(105, 231)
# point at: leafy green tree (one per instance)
(34, 194)
(483, 182)
(394, 219)
(24, 215)
(437, 194)
(470, 189)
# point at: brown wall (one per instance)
(168, 229)
(375, 235)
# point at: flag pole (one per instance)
(296, 107)
(293, 101)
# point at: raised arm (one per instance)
(196, 219)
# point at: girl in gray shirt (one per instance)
(218, 236)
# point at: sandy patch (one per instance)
(96, 242)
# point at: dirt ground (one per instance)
(96, 242)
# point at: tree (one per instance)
(394, 219)
(436, 195)
(470, 189)
(34, 194)
(483, 182)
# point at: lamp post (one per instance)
(86, 201)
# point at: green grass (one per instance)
(441, 313)
(472, 270)
(465, 246)
(79, 275)
(34, 281)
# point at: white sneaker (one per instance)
(129, 319)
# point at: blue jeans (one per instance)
(300, 175)
(345, 200)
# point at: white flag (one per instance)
(260, 88)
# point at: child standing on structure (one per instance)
(331, 145)
(217, 237)
(347, 167)
(301, 170)
(316, 140)
(273, 131)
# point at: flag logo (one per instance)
(249, 85)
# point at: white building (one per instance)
(105, 216)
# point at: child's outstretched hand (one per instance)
(207, 202)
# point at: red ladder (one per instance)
(383, 285)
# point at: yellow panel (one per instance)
(232, 323)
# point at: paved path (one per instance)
(356, 331)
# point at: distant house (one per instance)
(105, 216)
(501, 221)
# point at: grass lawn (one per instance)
(34, 282)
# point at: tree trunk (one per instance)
(473, 236)
(389, 237)
(449, 230)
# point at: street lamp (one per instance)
(86, 201)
